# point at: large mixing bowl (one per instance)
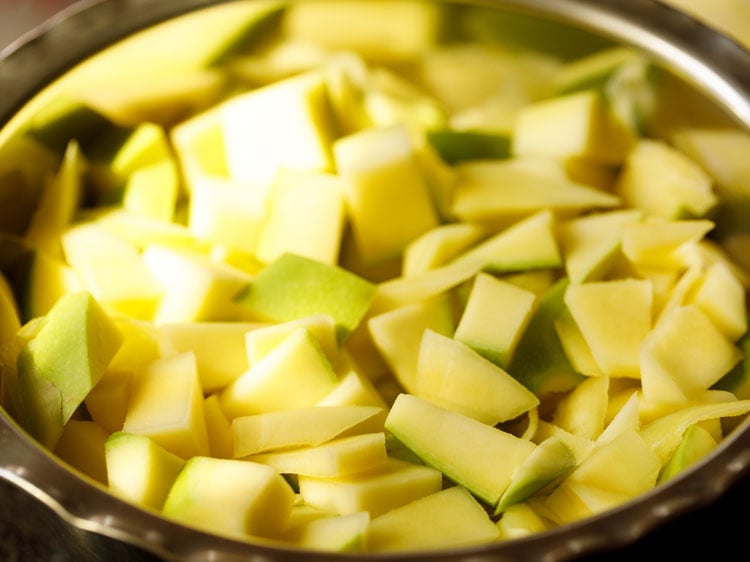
(99, 524)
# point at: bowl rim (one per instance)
(35, 470)
(710, 61)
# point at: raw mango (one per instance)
(63, 361)
(295, 286)
(230, 497)
(340, 280)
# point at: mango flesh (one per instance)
(10, 323)
(295, 427)
(490, 297)
(445, 519)
(378, 165)
(486, 471)
(294, 286)
(139, 469)
(64, 360)
(166, 404)
(230, 497)
(453, 375)
(373, 295)
(398, 333)
(375, 491)
(549, 461)
(82, 445)
(338, 533)
(696, 443)
(295, 374)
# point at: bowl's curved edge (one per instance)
(73, 35)
(90, 25)
(29, 466)
(88, 506)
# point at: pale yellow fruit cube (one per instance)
(142, 230)
(140, 470)
(580, 446)
(199, 147)
(450, 518)
(573, 501)
(338, 533)
(479, 457)
(684, 355)
(225, 212)
(296, 373)
(355, 388)
(583, 410)
(334, 458)
(662, 244)
(496, 314)
(305, 216)
(107, 402)
(167, 405)
(398, 332)
(233, 498)
(720, 294)
(614, 318)
(111, 268)
(218, 429)
(591, 243)
(530, 243)
(576, 348)
(322, 327)
(281, 125)
(402, 291)
(438, 246)
(521, 520)
(574, 125)
(58, 203)
(385, 33)
(152, 191)
(530, 185)
(385, 487)
(379, 166)
(454, 376)
(203, 339)
(626, 465)
(297, 427)
(81, 445)
(195, 287)
(663, 182)
(627, 416)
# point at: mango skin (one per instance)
(63, 361)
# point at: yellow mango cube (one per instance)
(167, 405)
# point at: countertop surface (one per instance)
(31, 532)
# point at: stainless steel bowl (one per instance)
(97, 525)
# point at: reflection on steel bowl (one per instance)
(399, 280)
